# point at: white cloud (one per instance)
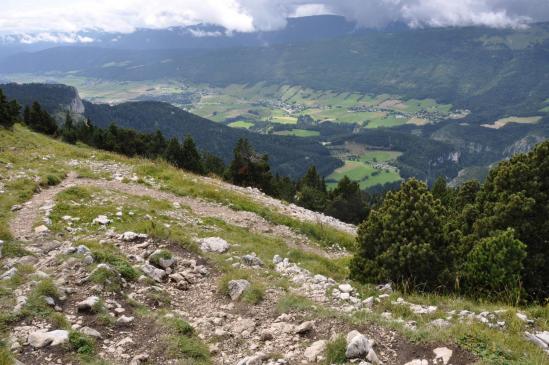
(310, 10)
(50, 19)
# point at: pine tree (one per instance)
(191, 159)
(174, 153)
(311, 191)
(249, 168)
(40, 120)
(403, 240)
(9, 111)
(347, 202)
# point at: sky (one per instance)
(62, 20)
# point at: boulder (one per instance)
(132, 236)
(304, 327)
(9, 274)
(345, 288)
(251, 260)
(154, 273)
(214, 244)
(88, 304)
(237, 287)
(1, 246)
(83, 250)
(277, 259)
(442, 355)
(42, 338)
(88, 331)
(313, 352)
(358, 345)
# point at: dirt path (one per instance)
(22, 224)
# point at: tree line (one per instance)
(248, 167)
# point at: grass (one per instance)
(364, 173)
(500, 123)
(252, 295)
(241, 124)
(335, 351)
(183, 344)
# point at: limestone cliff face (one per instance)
(76, 106)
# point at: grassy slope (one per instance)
(39, 157)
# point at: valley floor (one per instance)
(214, 274)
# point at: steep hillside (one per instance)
(113, 260)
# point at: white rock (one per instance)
(277, 259)
(417, 362)
(154, 273)
(9, 274)
(441, 323)
(544, 336)
(357, 347)
(345, 288)
(42, 338)
(41, 229)
(316, 349)
(256, 359)
(132, 236)
(88, 331)
(442, 354)
(237, 287)
(102, 220)
(88, 304)
(251, 260)
(214, 244)
(124, 320)
(83, 250)
(304, 327)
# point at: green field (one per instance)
(271, 103)
(365, 174)
(386, 122)
(241, 124)
(379, 156)
(299, 133)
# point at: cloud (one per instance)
(58, 19)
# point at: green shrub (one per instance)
(335, 351)
(403, 240)
(494, 266)
(106, 277)
(81, 343)
(109, 254)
